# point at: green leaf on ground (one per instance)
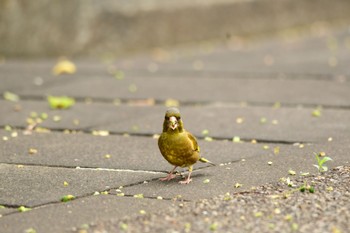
(60, 102)
(291, 172)
(10, 96)
(316, 112)
(30, 230)
(140, 195)
(236, 139)
(213, 227)
(172, 103)
(67, 198)
(123, 226)
(64, 66)
(311, 189)
(258, 214)
(206, 181)
(23, 209)
(321, 158)
(263, 120)
(205, 132)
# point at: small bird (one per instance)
(178, 146)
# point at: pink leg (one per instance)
(188, 179)
(170, 176)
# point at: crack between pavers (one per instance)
(257, 140)
(9, 206)
(109, 169)
(138, 102)
(296, 105)
(118, 170)
(155, 198)
(229, 74)
(86, 168)
(85, 196)
(14, 207)
(148, 135)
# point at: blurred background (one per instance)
(51, 28)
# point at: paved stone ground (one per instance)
(291, 97)
(313, 203)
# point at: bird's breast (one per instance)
(177, 149)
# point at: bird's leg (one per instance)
(170, 176)
(188, 179)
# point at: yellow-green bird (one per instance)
(178, 146)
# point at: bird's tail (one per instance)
(204, 160)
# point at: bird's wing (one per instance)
(193, 140)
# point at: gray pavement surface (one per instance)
(267, 208)
(61, 217)
(291, 97)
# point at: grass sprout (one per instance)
(321, 160)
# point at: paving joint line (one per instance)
(155, 198)
(84, 168)
(158, 102)
(10, 206)
(151, 135)
(13, 207)
(274, 76)
(112, 169)
(84, 196)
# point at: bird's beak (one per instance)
(173, 123)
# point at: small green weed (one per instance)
(306, 187)
(321, 159)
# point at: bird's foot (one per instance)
(187, 181)
(168, 177)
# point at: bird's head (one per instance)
(172, 121)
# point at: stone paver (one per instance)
(84, 150)
(289, 56)
(35, 185)
(66, 217)
(204, 89)
(223, 178)
(81, 150)
(260, 123)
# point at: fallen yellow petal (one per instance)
(64, 67)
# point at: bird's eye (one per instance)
(166, 118)
(178, 118)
